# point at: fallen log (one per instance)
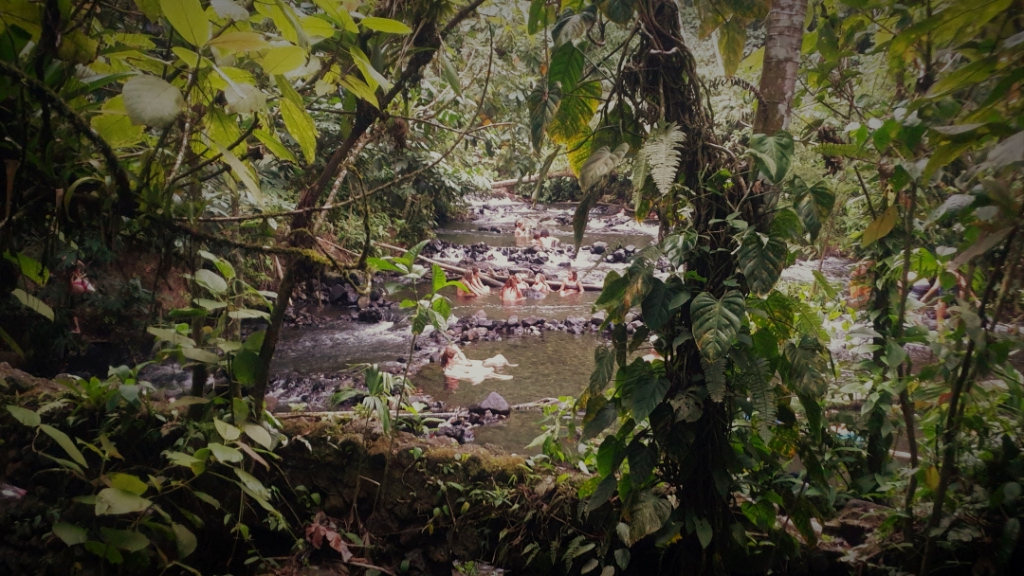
(456, 414)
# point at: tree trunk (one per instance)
(427, 40)
(781, 61)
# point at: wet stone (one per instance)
(494, 403)
(599, 247)
(532, 321)
(371, 315)
(513, 320)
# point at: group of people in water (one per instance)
(518, 287)
(541, 238)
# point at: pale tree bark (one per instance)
(781, 62)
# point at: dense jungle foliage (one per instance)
(205, 162)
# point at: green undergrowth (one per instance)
(119, 485)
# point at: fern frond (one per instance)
(714, 378)
(661, 154)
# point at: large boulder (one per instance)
(343, 295)
(495, 403)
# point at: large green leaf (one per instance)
(300, 125)
(339, 14)
(114, 501)
(605, 490)
(282, 59)
(716, 322)
(128, 482)
(385, 25)
(245, 367)
(65, 442)
(575, 111)
(642, 461)
(543, 104)
(541, 14)
(566, 66)
(572, 25)
(24, 415)
(761, 259)
(70, 534)
(610, 455)
(188, 19)
(655, 306)
(152, 101)
(619, 11)
(600, 163)
(185, 540)
(600, 415)
(807, 367)
(648, 514)
(211, 281)
(880, 226)
(772, 154)
(643, 385)
(732, 37)
(813, 205)
(127, 540)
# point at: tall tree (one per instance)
(781, 61)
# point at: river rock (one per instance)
(630, 249)
(575, 321)
(371, 315)
(617, 256)
(599, 317)
(485, 322)
(343, 295)
(599, 247)
(495, 403)
(513, 320)
(480, 315)
(532, 321)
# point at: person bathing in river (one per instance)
(511, 291)
(522, 230)
(457, 366)
(547, 241)
(540, 284)
(572, 285)
(471, 279)
(478, 284)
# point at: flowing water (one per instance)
(309, 350)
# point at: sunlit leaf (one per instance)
(880, 226)
(152, 101)
(282, 59)
(188, 19)
(65, 442)
(113, 501)
(24, 415)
